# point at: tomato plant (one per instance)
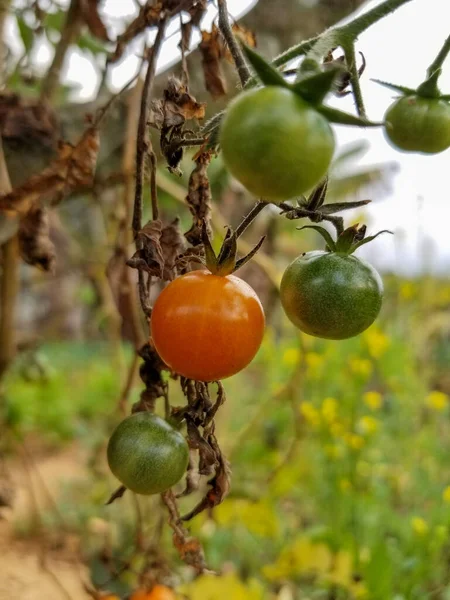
(146, 454)
(331, 294)
(276, 144)
(417, 124)
(207, 327)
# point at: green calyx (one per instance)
(427, 89)
(313, 83)
(348, 241)
(226, 262)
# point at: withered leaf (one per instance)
(149, 256)
(176, 106)
(36, 247)
(199, 199)
(172, 244)
(89, 11)
(212, 49)
(148, 16)
(74, 168)
(245, 35)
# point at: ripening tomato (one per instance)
(159, 592)
(331, 295)
(207, 327)
(275, 143)
(147, 454)
(417, 124)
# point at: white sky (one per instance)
(421, 187)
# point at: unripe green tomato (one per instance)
(331, 295)
(276, 144)
(416, 124)
(147, 454)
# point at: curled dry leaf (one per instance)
(158, 250)
(72, 169)
(199, 199)
(176, 107)
(148, 16)
(245, 35)
(36, 247)
(196, 11)
(212, 50)
(89, 12)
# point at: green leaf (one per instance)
(54, 20)
(266, 73)
(341, 118)
(314, 88)
(369, 239)
(329, 209)
(26, 33)
(324, 233)
(397, 88)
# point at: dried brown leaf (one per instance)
(89, 11)
(172, 245)
(199, 199)
(212, 51)
(149, 256)
(148, 16)
(36, 247)
(245, 35)
(74, 168)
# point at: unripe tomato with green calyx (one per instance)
(417, 124)
(275, 143)
(147, 454)
(207, 327)
(331, 295)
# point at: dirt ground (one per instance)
(29, 569)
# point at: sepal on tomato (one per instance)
(348, 241)
(264, 70)
(427, 89)
(342, 118)
(314, 88)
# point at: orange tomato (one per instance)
(207, 327)
(159, 592)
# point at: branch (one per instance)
(68, 36)
(233, 46)
(9, 284)
(353, 29)
(259, 206)
(350, 58)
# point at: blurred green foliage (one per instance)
(339, 452)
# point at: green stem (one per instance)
(353, 29)
(350, 57)
(439, 60)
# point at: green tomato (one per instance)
(331, 295)
(276, 144)
(146, 454)
(417, 124)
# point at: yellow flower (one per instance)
(329, 409)
(419, 525)
(313, 360)
(374, 400)
(437, 401)
(377, 342)
(291, 356)
(337, 429)
(368, 425)
(446, 494)
(360, 366)
(222, 587)
(310, 413)
(354, 441)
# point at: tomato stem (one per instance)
(259, 206)
(350, 57)
(233, 46)
(440, 58)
